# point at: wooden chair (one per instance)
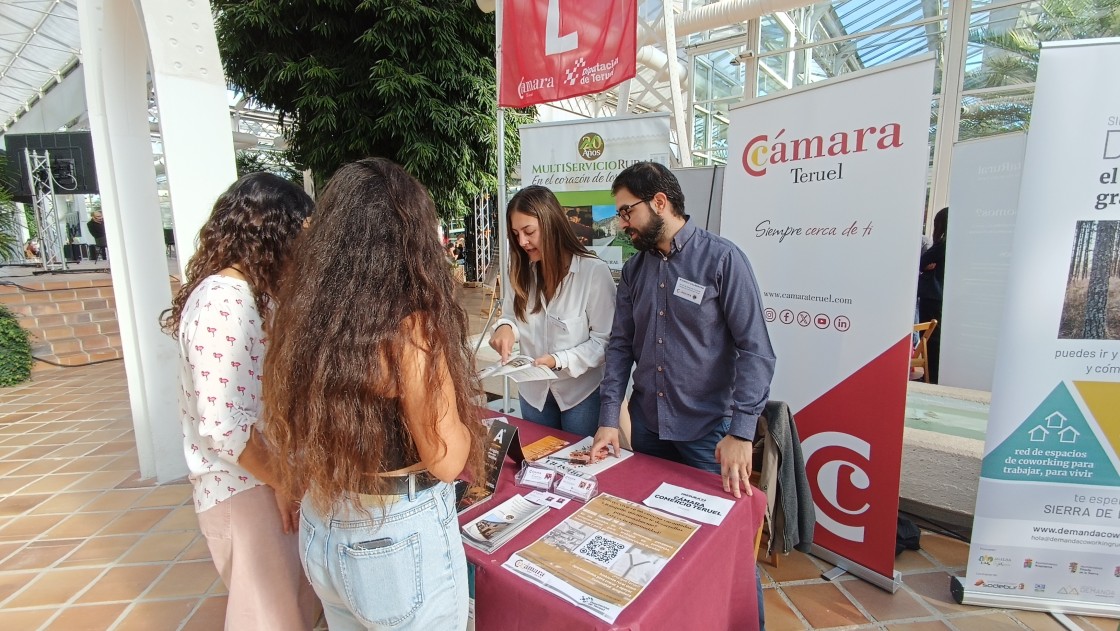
(920, 358)
(494, 305)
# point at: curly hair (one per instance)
(369, 266)
(557, 242)
(252, 228)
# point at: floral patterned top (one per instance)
(221, 348)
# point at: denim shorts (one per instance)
(403, 568)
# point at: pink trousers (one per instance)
(259, 564)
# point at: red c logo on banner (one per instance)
(828, 479)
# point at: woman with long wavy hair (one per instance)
(561, 309)
(370, 398)
(217, 318)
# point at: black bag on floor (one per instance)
(909, 536)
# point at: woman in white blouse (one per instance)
(560, 309)
(218, 321)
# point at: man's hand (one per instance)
(606, 443)
(289, 512)
(735, 457)
(502, 341)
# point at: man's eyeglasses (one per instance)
(624, 211)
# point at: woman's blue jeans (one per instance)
(583, 419)
(403, 568)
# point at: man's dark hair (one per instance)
(646, 179)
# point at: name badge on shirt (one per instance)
(690, 291)
(558, 323)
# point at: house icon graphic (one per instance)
(1055, 420)
(1038, 434)
(1068, 435)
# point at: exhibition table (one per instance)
(709, 584)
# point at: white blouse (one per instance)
(221, 350)
(574, 327)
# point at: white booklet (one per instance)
(501, 523)
(519, 368)
(576, 459)
(690, 504)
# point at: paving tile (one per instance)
(795, 567)
(1092, 623)
(76, 450)
(211, 615)
(80, 525)
(28, 527)
(1038, 620)
(87, 617)
(53, 588)
(100, 550)
(135, 521)
(166, 495)
(779, 615)
(64, 503)
(985, 622)
(163, 546)
(114, 501)
(38, 555)
(823, 605)
(197, 550)
(18, 504)
(86, 464)
(52, 483)
(11, 484)
(884, 606)
(39, 467)
(12, 582)
(185, 579)
(933, 587)
(8, 548)
(122, 583)
(165, 615)
(182, 518)
(26, 619)
(949, 552)
(100, 481)
(932, 625)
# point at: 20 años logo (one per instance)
(591, 146)
(828, 480)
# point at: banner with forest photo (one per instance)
(1046, 533)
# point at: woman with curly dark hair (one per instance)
(370, 396)
(217, 318)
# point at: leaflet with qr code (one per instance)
(622, 543)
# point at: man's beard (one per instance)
(647, 238)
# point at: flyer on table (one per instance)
(603, 555)
(1047, 526)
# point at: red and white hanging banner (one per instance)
(824, 191)
(558, 49)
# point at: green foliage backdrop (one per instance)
(15, 350)
(408, 80)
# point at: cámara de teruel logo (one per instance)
(763, 151)
(591, 146)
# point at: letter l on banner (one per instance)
(558, 49)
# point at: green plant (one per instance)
(407, 80)
(15, 350)
(10, 245)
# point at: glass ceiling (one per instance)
(39, 45)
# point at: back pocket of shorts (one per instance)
(383, 585)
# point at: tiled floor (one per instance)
(86, 545)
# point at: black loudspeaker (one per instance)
(71, 163)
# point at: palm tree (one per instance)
(1010, 58)
(10, 245)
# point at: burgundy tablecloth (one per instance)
(709, 585)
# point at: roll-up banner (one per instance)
(579, 160)
(1046, 534)
(983, 198)
(824, 191)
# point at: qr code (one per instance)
(601, 550)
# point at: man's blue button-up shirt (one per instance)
(692, 322)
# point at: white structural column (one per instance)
(119, 39)
(193, 111)
(949, 110)
(115, 57)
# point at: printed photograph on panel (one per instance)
(1091, 310)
